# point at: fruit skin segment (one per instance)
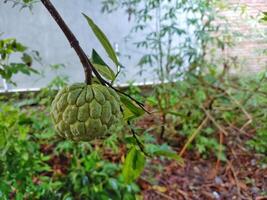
(84, 112)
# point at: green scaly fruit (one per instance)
(84, 112)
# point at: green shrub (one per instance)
(35, 164)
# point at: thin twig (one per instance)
(184, 194)
(218, 162)
(235, 177)
(141, 105)
(214, 121)
(261, 198)
(191, 138)
(139, 143)
(164, 195)
(87, 66)
(163, 114)
(243, 110)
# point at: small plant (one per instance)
(97, 103)
(10, 47)
(21, 161)
(34, 164)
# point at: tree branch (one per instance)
(138, 142)
(87, 66)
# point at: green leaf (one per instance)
(95, 80)
(3, 130)
(127, 114)
(169, 154)
(18, 46)
(105, 71)
(163, 150)
(103, 40)
(27, 59)
(264, 18)
(102, 67)
(130, 109)
(200, 96)
(97, 59)
(133, 165)
(113, 183)
(130, 140)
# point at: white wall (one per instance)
(38, 31)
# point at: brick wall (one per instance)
(249, 49)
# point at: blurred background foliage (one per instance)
(197, 101)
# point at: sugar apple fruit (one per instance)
(84, 112)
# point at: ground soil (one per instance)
(243, 176)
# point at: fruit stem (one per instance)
(87, 65)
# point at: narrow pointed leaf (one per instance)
(164, 151)
(103, 40)
(169, 154)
